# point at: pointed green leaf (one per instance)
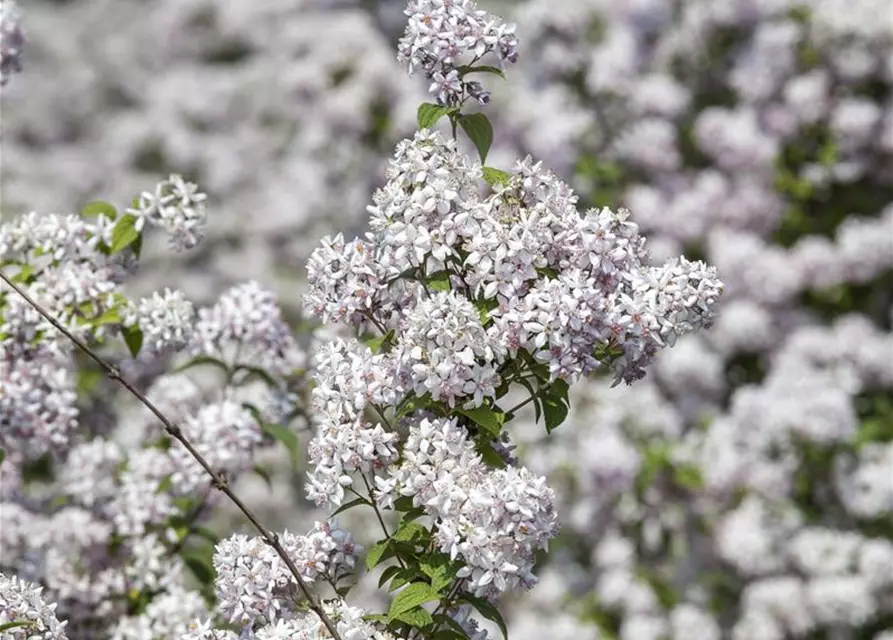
(387, 574)
(14, 625)
(496, 176)
(416, 594)
(200, 360)
(377, 343)
(376, 553)
(429, 113)
(133, 337)
(488, 418)
(349, 505)
(489, 455)
(416, 617)
(479, 129)
(200, 563)
(484, 68)
(409, 531)
(99, 208)
(555, 412)
(124, 233)
(165, 485)
(487, 610)
(439, 281)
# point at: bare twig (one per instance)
(218, 479)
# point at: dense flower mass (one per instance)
(445, 39)
(21, 602)
(520, 269)
(462, 289)
(738, 490)
(254, 585)
(493, 520)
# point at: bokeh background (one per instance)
(744, 489)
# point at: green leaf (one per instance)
(376, 553)
(555, 404)
(133, 337)
(284, 435)
(479, 129)
(488, 418)
(440, 570)
(403, 503)
(24, 274)
(413, 403)
(388, 574)
(416, 617)
(111, 316)
(547, 272)
(124, 233)
(484, 68)
(487, 610)
(254, 372)
(439, 281)
(443, 619)
(14, 625)
(689, 476)
(555, 412)
(2, 455)
(409, 531)
(376, 617)
(489, 455)
(200, 360)
(484, 308)
(99, 208)
(416, 594)
(377, 343)
(496, 176)
(208, 534)
(349, 505)
(429, 113)
(199, 560)
(403, 576)
(165, 485)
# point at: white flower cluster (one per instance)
(12, 40)
(558, 284)
(444, 38)
(349, 622)
(255, 587)
(56, 260)
(100, 522)
(177, 207)
(225, 434)
(21, 601)
(245, 326)
(493, 520)
(167, 616)
(165, 319)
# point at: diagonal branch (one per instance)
(219, 480)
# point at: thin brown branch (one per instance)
(218, 479)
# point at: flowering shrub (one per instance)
(740, 491)
(472, 286)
